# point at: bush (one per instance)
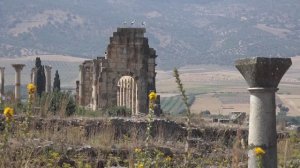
(62, 101)
(118, 111)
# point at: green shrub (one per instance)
(118, 111)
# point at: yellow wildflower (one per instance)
(8, 113)
(31, 88)
(140, 165)
(152, 96)
(54, 155)
(137, 150)
(168, 159)
(259, 151)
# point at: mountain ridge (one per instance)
(183, 33)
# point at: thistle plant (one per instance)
(8, 114)
(146, 158)
(152, 98)
(31, 90)
(157, 160)
(188, 113)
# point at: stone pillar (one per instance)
(18, 68)
(118, 96)
(137, 109)
(94, 96)
(1, 82)
(81, 85)
(77, 91)
(263, 76)
(48, 78)
(94, 86)
(33, 75)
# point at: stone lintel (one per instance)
(263, 72)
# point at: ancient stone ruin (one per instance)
(123, 77)
(18, 68)
(263, 76)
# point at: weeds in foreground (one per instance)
(188, 114)
(63, 143)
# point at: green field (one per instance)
(174, 104)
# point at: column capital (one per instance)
(18, 66)
(263, 72)
(80, 67)
(48, 67)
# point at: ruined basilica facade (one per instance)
(123, 77)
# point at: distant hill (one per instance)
(182, 32)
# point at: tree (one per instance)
(56, 83)
(40, 76)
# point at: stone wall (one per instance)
(128, 54)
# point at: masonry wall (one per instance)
(128, 54)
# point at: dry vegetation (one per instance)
(80, 141)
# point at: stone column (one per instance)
(48, 78)
(18, 68)
(94, 96)
(137, 106)
(94, 86)
(118, 95)
(81, 85)
(77, 92)
(1, 82)
(33, 76)
(263, 76)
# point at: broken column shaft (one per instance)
(1, 82)
(263, 76)
(48, 78)
(18, 68)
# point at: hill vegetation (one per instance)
(182, 32)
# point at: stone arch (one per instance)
(127, 93)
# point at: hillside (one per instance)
(182, 32)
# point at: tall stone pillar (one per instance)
(81, 85)
(263, 76)
(77, 91)
(48, 78)
(1, 82)
(18, 69)
(94, 86)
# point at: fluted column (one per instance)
(48, 78)
(18, 69)
(1, 82)
(123, 92)
(137, 110)
(263, 76)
